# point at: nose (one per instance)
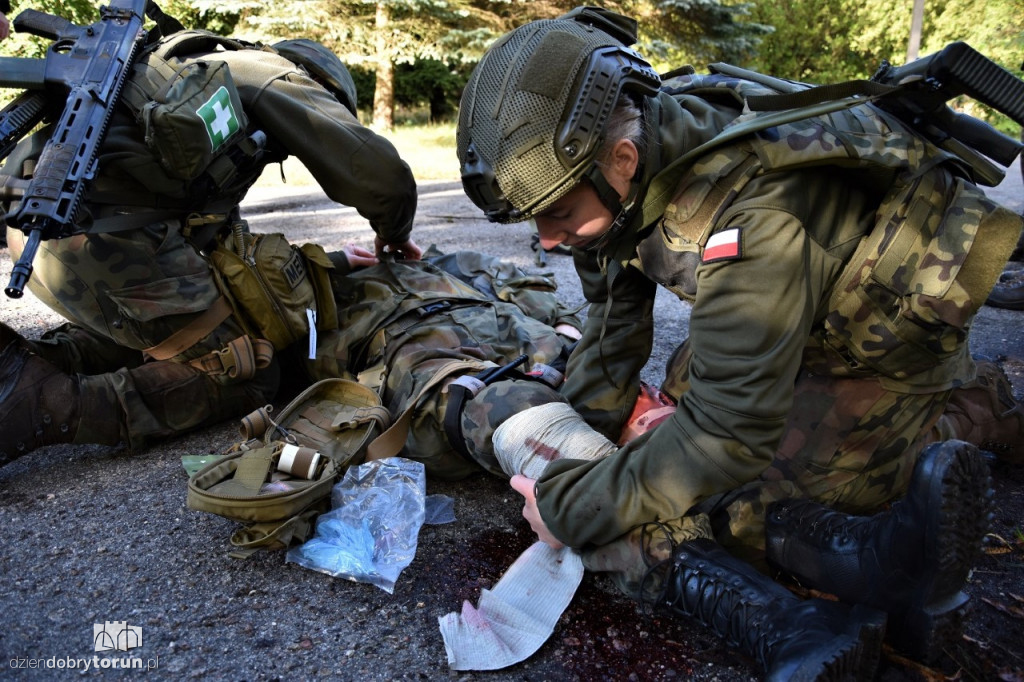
(549, 238)
(549, 244)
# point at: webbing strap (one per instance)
(391, 442)
(465, 388)
(695, 227)
(664, 184)
(273, 534)
(239, 359)
(189, 335)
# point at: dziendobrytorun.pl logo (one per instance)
(109, 636)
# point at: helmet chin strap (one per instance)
(609, 196)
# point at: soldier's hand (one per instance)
(358, 257)
(524, 486)
(407, 250)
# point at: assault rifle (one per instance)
(79, 80)
(916, 93)
(958, 69)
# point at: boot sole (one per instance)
(838, 660)
(956, 483)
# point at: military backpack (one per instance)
(904, 301)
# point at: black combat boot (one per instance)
(1008, 297)
(41, 405)
(911, 561)
(791, 638)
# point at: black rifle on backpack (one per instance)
(916, 93)
(78, 82)
(958, 69)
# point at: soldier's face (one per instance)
(576, 219)
(580, 218)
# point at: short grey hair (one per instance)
(628, 121)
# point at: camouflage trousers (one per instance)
(148, 401)
(123, 293)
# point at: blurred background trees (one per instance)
(414, 56)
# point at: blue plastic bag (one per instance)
(371, 533)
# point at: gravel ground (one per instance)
(94, 535)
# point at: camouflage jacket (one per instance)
(768, 239)
(391, 296)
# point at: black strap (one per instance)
(165, 23)
(457, 396)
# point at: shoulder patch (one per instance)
(724, 245)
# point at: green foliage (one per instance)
(427, 83)
(21, 44)
(677, 32)
(435, 43)
(823, 41)
(433, 83)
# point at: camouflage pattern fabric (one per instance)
(405, 321)
(147, 401)
(850, 444)
(136, 287)
(638, 562)
(844, 247)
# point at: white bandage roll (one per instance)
(298, 461)
(527, 441)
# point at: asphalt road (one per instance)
(93, 535)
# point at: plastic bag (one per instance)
(371, 533)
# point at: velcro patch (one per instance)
(724, 245)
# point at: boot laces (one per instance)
(821, 521)
(654, 567)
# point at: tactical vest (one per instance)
(903, 303)
(195, 128)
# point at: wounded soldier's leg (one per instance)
(509, 401)
(985, 413)
(527, 441)
(637, 561)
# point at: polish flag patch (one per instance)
(724, 245)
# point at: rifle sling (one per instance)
(192, 333)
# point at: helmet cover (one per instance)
(533, 113)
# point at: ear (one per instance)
(624, 160)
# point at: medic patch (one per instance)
(724, 245)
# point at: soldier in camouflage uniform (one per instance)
(409, 329)
(827, 370)
(139, 281)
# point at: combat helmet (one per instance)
(323, 66)
(534, 112)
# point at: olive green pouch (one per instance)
(335, 418)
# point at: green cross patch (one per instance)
(219, 116)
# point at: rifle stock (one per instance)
(957, 69)
(85, 69)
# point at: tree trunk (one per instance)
(916, 20)
(384, 93)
